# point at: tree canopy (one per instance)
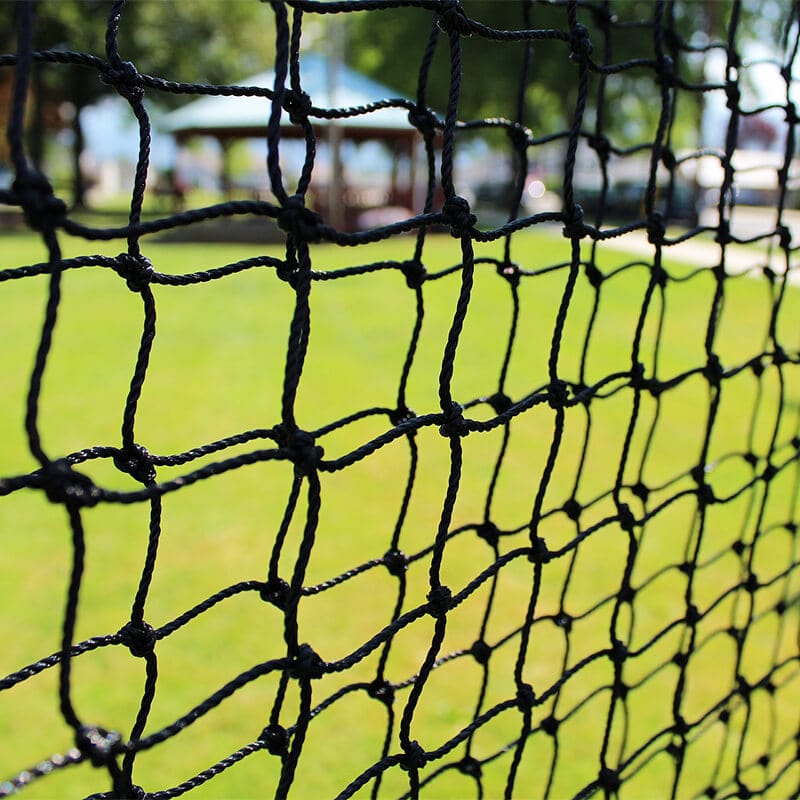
(491, 69)
(202, 41)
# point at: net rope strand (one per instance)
(634, 649)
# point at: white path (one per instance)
(703, 251)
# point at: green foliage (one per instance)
(492, 70)
(203, 41)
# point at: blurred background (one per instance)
(86, 137)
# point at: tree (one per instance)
(203, 41)
(390, 44)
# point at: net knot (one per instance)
(135, 461)
(656, 228)
(780, 356)
(489, 532)
(713, 370)
(298, 221)
(298, 104)
(470, 766)
(668, 159)
(276, 739)
(100, 746)
(593, 274)
(302, 452)
(126, 80)
(510, 271)
(626, 519)
(609, 779)
(573, 224)
(453, 18)
(580, 44)
(275, 591)
(733, 96)
(792, 117)
(458, 215)
(381, 690)
(601, 145)
(573, 509)
(768, 686)
(424, 120)
(638, 380)
(454, 423)
(680, 660)
(626, 594)
(737, 634)
(481, 651)
(135, 269)
(415, 757)
(518, 135)
(539, 554)
(641, 490)
(705, 495)
(582, 393)
(306, 664)
(43, 211)
(139, 638)
(723, 235)
(398, 416)
(563, 621)
(770, 471)
(693, 615)
(526, 697)
(743, 687)
(396, 562)
(659, 276)
(558, 394)
(550, 725)
(665, 71)
(784, 236)
(289, 270)
(414, 272)
(439, 601)
(500, 402)
(618, 652)
(62, 484)
(739, 547)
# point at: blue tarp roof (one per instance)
(238, 115)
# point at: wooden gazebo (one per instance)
(229, 118)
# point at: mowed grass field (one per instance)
(217, 369)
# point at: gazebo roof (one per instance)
(241, 117)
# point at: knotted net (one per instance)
(545, 547)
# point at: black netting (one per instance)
(553, 554)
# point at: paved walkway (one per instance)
(702, 250)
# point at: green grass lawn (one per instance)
(217, 369)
